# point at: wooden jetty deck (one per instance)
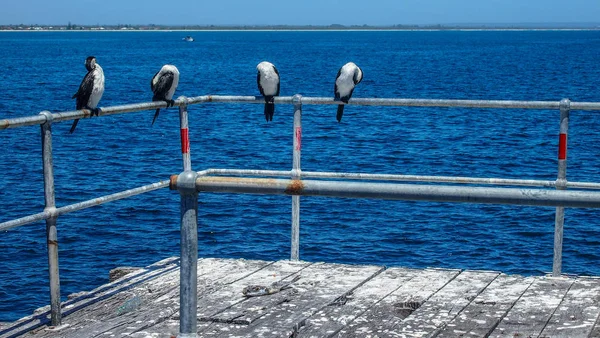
(329, 300)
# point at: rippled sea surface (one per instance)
(41, 71)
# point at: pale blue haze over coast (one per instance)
(307, 12)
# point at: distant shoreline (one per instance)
(586, 26)
(308, 30)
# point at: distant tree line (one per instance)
(335, 26)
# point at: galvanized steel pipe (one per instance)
(396, 191)
(188, 277)
(51, 231)
(395, 177)
(129, 108)
(81, 114)
(561, 184)
(86, 204)
(296, 173)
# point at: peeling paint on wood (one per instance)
(225, 305)
(482, 315)
(529, 315)
(384, 316)
(329, 300)
(578, 311)
(319, 285)
(337, 315)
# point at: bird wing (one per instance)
(152, 81)
(356, 77)
(85, 90)
(278, 82)
(335, 89)
(262, 91)
(164, 83)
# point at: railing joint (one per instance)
(51, 212)
(565, 104)
(49, 117)
(296, 174)
(561, 184)
(297, 99)
(186, 182)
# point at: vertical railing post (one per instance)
(561, 184)
(186, 184)
(51, 232)
(296, 175)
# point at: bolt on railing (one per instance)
(189, 183)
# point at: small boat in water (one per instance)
(188, 38)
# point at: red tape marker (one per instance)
(562, 147)
(298, 138)
(185, 141)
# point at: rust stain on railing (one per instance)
(296, 187)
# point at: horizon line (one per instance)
(208, 25)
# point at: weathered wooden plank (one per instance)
(595, 333)
(482, 315)
(40, 319)
(170, 328)
(445, 304)
(115, 309)
(144, 304)
(331, 319)
(388, 312)
(217, 291)
(319, 285)
(529, 315)
(333, 300)
(220, 306)
(578, 311)
(213, 274)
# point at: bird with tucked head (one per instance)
(347, 78)
(268, 84)
(163, 85)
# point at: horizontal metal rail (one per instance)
(86, 204)
(403, 178)
(82, 205)
(282, 173)
(397, 191)
(130, 108)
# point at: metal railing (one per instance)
(297, 183)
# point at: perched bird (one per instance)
(90, 90)
(347, 77)
(268, 84)
(163, 85)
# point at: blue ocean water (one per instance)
(42, 70)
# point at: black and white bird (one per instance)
(90, 90)
(268, 84)
(347, 78)
(163, 85)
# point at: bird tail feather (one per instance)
(269, 111)
(340, 112)
(73, 126)
(155, 116)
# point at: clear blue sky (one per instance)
(303, 12)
